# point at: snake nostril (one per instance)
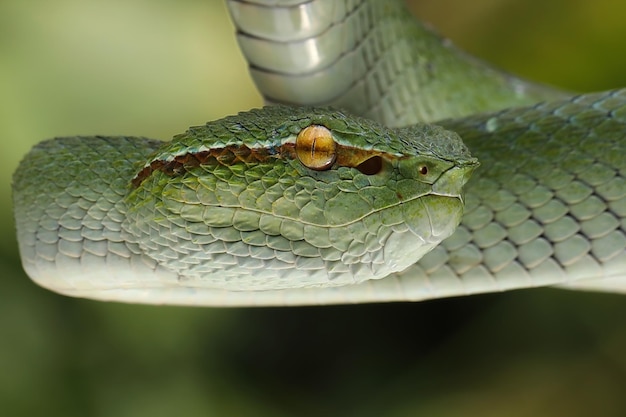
(371, 166)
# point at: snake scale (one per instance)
(308, 205)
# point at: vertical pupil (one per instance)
(313, 147)
(316, 148)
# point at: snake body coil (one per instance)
(284, 206)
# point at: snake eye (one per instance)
(315, 148)
(423, 170)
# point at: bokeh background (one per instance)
(155, 67)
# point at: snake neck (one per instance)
(381, 64)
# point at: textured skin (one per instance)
(546, 207)
(70, 225)
(195, 231)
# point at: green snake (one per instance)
(300, 203)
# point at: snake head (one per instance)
(290, 197)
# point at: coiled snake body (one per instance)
(308, 205)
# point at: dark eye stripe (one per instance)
(345, 156)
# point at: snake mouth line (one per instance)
(345, 224)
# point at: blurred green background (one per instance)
(155, 67)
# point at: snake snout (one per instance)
(452, 181)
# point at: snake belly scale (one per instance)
(249, 210)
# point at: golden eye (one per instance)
(315, 147)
